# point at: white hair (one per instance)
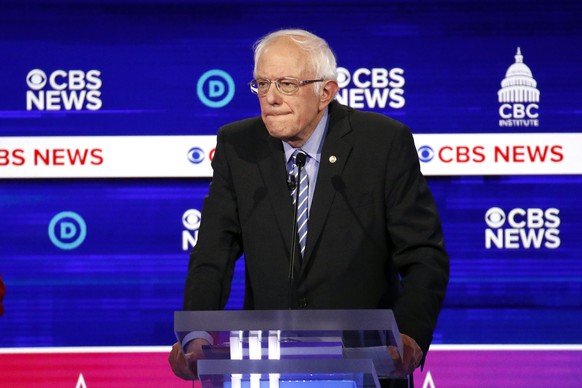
(322, 59)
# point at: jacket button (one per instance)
(302, 303)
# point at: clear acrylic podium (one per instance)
(287, 348)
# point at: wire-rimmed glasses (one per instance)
(284, 85)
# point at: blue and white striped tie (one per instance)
(302, 208)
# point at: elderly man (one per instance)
(367, 232)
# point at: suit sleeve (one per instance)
(419, 253)
(219, 244)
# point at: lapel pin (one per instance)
(332, 159)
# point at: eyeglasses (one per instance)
(287, 86)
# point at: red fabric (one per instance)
(2, 292)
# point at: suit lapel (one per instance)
(274, 176)
(334, 156)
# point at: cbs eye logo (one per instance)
(196, 155)
(36, 79)
(191, 219)
(425, 154)
(495, 217)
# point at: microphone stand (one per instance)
(300, 162)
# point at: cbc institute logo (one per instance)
(518, 96)
(519, 104)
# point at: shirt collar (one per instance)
(313, 145)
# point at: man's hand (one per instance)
(185, 365)
(412, 355)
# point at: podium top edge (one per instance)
(324, 320)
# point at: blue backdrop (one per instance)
(157, 63)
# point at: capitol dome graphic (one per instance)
(518, 84)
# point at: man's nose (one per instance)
(273, 95)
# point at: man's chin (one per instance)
(278, 133)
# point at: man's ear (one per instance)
(328, 92)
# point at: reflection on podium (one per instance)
(286, 348)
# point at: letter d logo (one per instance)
(67, 230)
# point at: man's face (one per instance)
(291, 118)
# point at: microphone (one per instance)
(291, 183)
(300, 159)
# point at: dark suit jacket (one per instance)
(372, 220)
